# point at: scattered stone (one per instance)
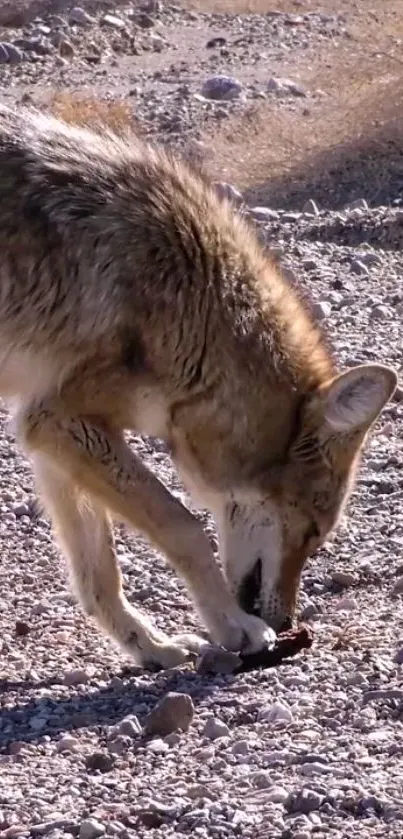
(142, 20)
(358, 204)
(218, 661)
(67, 744)
(66, 48)
(261, 779)
(344, 578)
(310, 208)
(21, 510)
(310, 612)
(383, 694)
(80, 17)
(359, 268)
(346, 604)
(113, 22)
(76, 677)
(290, 218)
(380, 312)
(399, 656)
(216, 42)
(398, 586)
(10, 54)
(318, 768)
(322, 309)
(398, 394)
(285, 86)
(173, 712)
(368, 258)
(99, 762)
(91, 829)
(277, 795)
(263, 213)
(129, 727)
(22, 628)
(3, 54)
(229, 192)
(306, 801)
(241, 747)
(214, 729)
(221, 88)
(310, 264)
(158, 746)
(119, 745)
(277, 713)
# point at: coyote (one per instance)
(132, 297)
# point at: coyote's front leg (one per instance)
(75, 458)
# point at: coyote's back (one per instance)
(132, 297)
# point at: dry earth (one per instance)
(315, 747)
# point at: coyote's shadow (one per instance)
(103, 706)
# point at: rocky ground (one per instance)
(313, 748)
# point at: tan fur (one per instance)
(131, 297)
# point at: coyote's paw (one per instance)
(240, 632)
(173, 651)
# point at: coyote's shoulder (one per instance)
(137, 247)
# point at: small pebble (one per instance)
(263, 213)
(113, 22)
(22, 628)
(346, 604)
(398, 586)
(310, 208)
(99, 762)
(277, 713)
(221, 88)
(344, 578)
(91, 829)
(306, 800)
(80, 17)
(218, 661)
(157, 746)
(67, 744)
(284, 86)
(129, 727)
(322, 309)
(173, 712)
(277, 795)
(229, 192)
(76, 677)
(214, 729)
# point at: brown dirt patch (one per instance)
(346, 144)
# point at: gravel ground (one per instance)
(313, 748)
(160, 59)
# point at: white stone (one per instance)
(214, 729)
(91, 829)
(277, 713)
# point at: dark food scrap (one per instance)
(217, 660)
(288, 644)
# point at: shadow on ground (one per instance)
(369, 167)
(29, 719)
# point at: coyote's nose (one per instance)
(252, 600)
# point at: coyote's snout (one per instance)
(131, 297)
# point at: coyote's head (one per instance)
(268, 530)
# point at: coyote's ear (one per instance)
(354, 399)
